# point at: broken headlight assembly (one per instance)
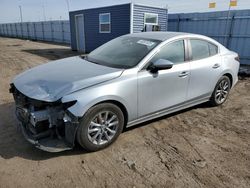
(48, 125)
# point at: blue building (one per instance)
(91, 28)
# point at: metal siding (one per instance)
(14, 30)
(235, 36)
(48, 31)
(138, 17)
(4, 29)
(120, 25)
(31, 31)
(25, 30)
(57, 31)
(66, 31)
(1, 30)
(19, 31)
(39, 31)
(9, 30)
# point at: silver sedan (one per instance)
(129, 80)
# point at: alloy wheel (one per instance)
(222, 91)
(103, 127)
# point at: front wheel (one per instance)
(100, 126)
(221, 91)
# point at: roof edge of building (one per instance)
(139, 4)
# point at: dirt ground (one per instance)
(198, 147)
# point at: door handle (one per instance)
(216, 65)
(183, 74)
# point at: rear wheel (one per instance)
(100, 126)
(221, 91)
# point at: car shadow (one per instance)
(13, 144)
(53, 53)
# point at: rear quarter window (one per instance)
(200, 49)
(213, 49)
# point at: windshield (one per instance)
(122, 52)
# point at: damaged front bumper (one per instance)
(47, 125)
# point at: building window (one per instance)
(151, 19)
(104, 23)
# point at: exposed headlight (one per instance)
(66, 118)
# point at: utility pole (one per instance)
(21, 14)
(228, 15)
(232, 3)
(21, 19)
(44, 16)
(67, 1)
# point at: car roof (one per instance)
(163, 36)
(159, 35)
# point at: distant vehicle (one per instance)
(129, 80)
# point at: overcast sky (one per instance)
(38, 10)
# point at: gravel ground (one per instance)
(198, 147)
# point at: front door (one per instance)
(80, 35)
(166, 88)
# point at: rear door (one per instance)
(205, 68)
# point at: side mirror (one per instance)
(160, 64)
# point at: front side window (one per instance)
(122, 52)
(104, 23)
(150, 19)
(202, 49)
(173, 52)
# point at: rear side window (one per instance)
(212, 49)
(173, 52)
(202, 49)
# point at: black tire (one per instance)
(214, 100)
(83, 133)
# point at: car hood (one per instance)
(49, 82)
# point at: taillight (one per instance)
(237, 58)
